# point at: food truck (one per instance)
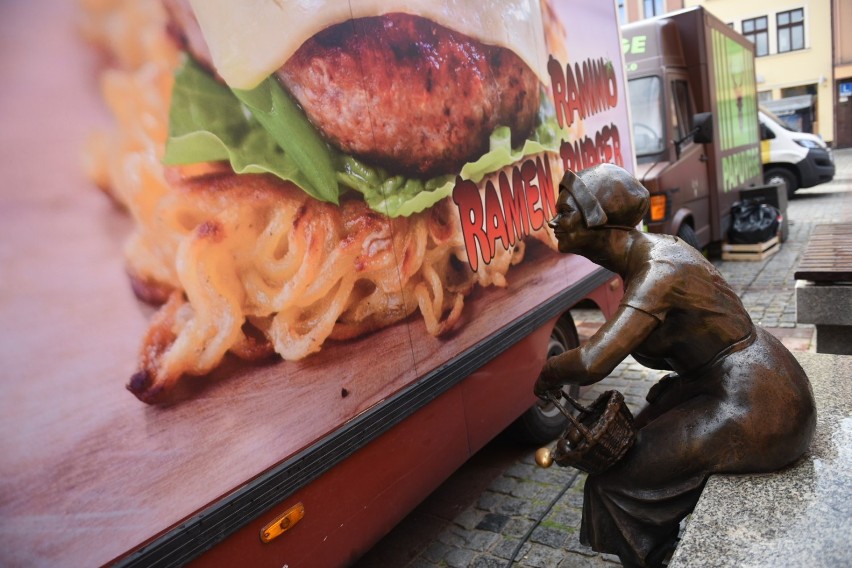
(693, 102)
(116, 455)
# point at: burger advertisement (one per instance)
(374, 166)
(289, 208)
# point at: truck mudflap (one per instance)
(816, 167)
(211, 526)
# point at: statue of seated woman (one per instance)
(735, 401)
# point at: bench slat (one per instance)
(828, 256)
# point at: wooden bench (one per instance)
(824, 287)
(800, 516)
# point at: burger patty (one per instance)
(400, 91)
(410, 95)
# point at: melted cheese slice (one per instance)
(250, 39)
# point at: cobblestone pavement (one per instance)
(502, 523)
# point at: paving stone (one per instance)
(529, 489)
(512, 506)
(536, 509)
(489, 501)
(503, 484)
(506, 548)
(637, 390)
(518, 527)
(436, 551)
(520, 470)
(487, 561)
(548, 536)
(568, 517)
(573, 544)
(476, 540)
(493, 522)
(540, 556)
(450, 538)
(469, 518)
(578, 561)
(459, 558)
(553, 475)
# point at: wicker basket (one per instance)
(598, 436)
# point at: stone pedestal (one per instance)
(829, 308)
(800, 516)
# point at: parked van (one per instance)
(797, 159)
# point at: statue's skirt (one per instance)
(750, 410)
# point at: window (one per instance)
(791, 30)
(756, 30)
(682, 111)
(646, 106)
(622, 12)
(653, 8)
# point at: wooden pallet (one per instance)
(758, 251)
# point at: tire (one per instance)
(687, 234)
(543, 422)
(777, 176)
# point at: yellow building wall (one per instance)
(776, 71)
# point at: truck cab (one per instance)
(662, 112)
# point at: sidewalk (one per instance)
(486, 514)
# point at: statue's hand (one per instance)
(548, 383)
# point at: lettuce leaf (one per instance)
(289, 127)
(264, 131)
(399, 196)
(208, 122)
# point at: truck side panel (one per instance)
(167, 483)
(720, 64)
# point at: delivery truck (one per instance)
(693, 104)
(279, 460)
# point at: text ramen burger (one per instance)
(290, 165)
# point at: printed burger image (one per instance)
(320, 256)
(305, 172)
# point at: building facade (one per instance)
(842, 28)
(793, 46)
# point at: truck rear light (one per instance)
(658, 207)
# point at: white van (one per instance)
(796, 158)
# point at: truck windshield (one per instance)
(646, 107)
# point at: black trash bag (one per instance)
(753, 223)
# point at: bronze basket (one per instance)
(598, 436)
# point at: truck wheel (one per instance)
(777, 176)
(687, 234)
(543, 422)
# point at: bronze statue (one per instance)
(736, 399)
